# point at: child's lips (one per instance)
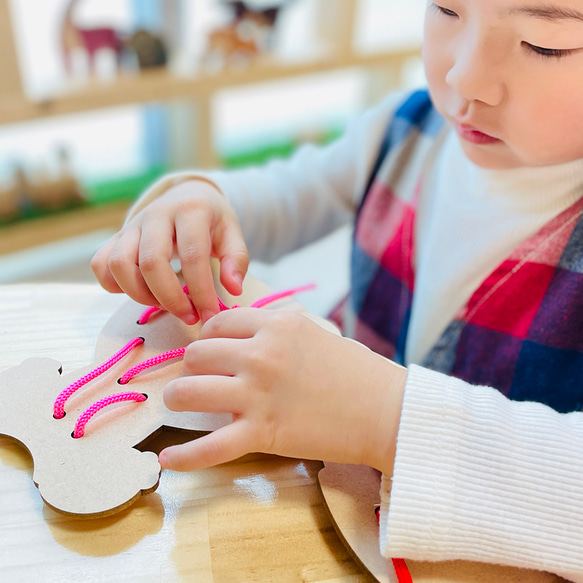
(473, 135)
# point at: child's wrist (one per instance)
(383, 454)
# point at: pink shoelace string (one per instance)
(85, 417)
(148, 313)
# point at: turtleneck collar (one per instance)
(525, 189)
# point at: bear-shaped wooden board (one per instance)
(103, 471)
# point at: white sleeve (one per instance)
(482, 478)
(287, 204)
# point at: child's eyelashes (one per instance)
(542, 52)
(547, 53)
(443, 10)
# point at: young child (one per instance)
(467, 260)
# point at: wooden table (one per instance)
(261, 518)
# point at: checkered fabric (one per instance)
(520, 332)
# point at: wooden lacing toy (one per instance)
(79, 431)
(89, 450)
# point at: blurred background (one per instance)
(98, 98)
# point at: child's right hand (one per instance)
(192, 220)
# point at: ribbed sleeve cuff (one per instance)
(479, 477)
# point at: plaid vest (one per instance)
(520, 332)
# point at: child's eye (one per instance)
(443, 10)
(547, 53)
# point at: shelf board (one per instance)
(39, 231)
(161, 85)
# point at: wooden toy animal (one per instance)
(150, 50)
(243, 38)
(88, 40)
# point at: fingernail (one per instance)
(190, 319)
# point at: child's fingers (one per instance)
(237, 323)
(155, 254)
(233, 256)
(101, 270)
(216, 356)
(223, 445)
(206, 394)
(245, 323)
(194, 249)
(123, 266)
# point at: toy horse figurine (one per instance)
(243, 38)
(89, 40)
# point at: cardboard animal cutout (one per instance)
(351, 493)
(103, 471)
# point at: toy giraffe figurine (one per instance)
(84, 430)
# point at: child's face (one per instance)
(508, 75)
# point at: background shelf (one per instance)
(187, 103)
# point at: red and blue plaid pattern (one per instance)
(520, 332)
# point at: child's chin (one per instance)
(494, 156)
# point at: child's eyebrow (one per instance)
(547, 12)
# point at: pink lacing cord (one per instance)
(79, 430)
(59, 405)
(132, 372)
(143, 319)
(147, 314)
(270, 298)
(400, 565)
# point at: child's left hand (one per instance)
(294, 389)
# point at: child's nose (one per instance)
(475, 76)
